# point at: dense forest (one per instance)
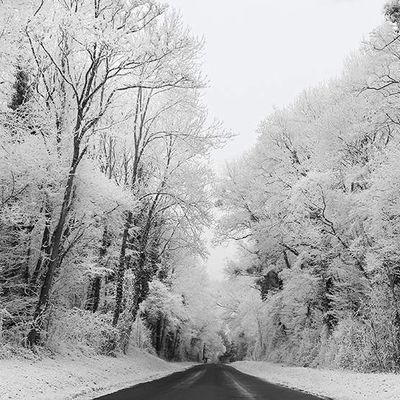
(104, 179)
(315, 209)
(106, 189)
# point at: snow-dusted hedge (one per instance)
(84, 330)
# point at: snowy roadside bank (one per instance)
(80, 378)
(337, 385)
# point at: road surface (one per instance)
(208, 382)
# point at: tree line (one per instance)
(314, 208)
(104, 176)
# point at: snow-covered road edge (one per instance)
(79, 377)
(337, 385)
(109, 389)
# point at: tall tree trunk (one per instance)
(44, 249)
(141, 289)
(160, 336)
(131, 318)
(164, 340)
(393, 279)
(25, 272)
(51, 263)
(93, 298)
(121, 269)
(176, 344)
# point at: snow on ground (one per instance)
(338, 385)
(79, 377)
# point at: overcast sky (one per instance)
(262, 53)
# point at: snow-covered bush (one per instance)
(350, 347)
(84, 330)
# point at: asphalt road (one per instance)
(208, 382)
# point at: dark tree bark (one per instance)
(93, 298)
(93, 301)
(121, 269)
(176, 344)
(51, 263)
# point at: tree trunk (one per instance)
(161, 335)
(44, 250)
(175, 344)
(121, 270)
(93, 298)
(164, 340)
(51, 263)
(25, 271)
(93, 301)
(126, 330)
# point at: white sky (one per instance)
(262, 53)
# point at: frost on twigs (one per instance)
(314, 207)
(104, 179)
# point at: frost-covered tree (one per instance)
(104, 176)
(303, 206)
(180, 311)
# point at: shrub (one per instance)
(86, 330)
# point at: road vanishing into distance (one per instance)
(208, 382)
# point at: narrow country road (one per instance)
(208, 382)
